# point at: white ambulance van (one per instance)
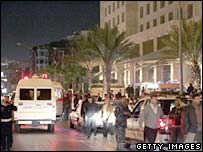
(36, 103)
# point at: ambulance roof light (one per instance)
(44, 76)
(25, 77)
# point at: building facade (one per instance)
(152, 23)
(9, 76)
(42, 53)
(121, 14)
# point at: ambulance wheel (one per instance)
(127, 145)
(17, 128)
(71, 124)
(51, 127)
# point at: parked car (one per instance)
(134, 135)
(75, 118)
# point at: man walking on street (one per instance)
(192, 121)
(108, 117)
(175, 113)
(150, 116)
(121, 113)
(92, 109)
(7, 109)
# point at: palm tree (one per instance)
(111, 47)
(191, 46)
(84, 55)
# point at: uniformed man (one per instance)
(121, 113)
(7, 109)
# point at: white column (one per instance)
(124, 76)
(115, 73)
(100, 70)
(134, 73)
(141, 53)
(201, 76)
(140, 73)
(172, 71)
(129, 76)
(155, 44)
(155, 73)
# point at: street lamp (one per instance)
(55, 62)
(180, 52)
(33, 52)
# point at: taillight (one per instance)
(172, 122)
(162, 123)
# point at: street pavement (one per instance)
(64, 139)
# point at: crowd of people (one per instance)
(114, 113)
(188, 118)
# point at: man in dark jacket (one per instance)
(192, 121)
(99, 98)
(128, 90)
(131, 92)
(84, 109)
(175, 114)
(190, 89)
(7, 109)
(92, 108)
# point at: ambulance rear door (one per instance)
(45, 104)
(26, 103)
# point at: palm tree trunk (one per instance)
(90, 76)
(108, 78)
(196, 78)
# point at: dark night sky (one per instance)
(39, 22)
